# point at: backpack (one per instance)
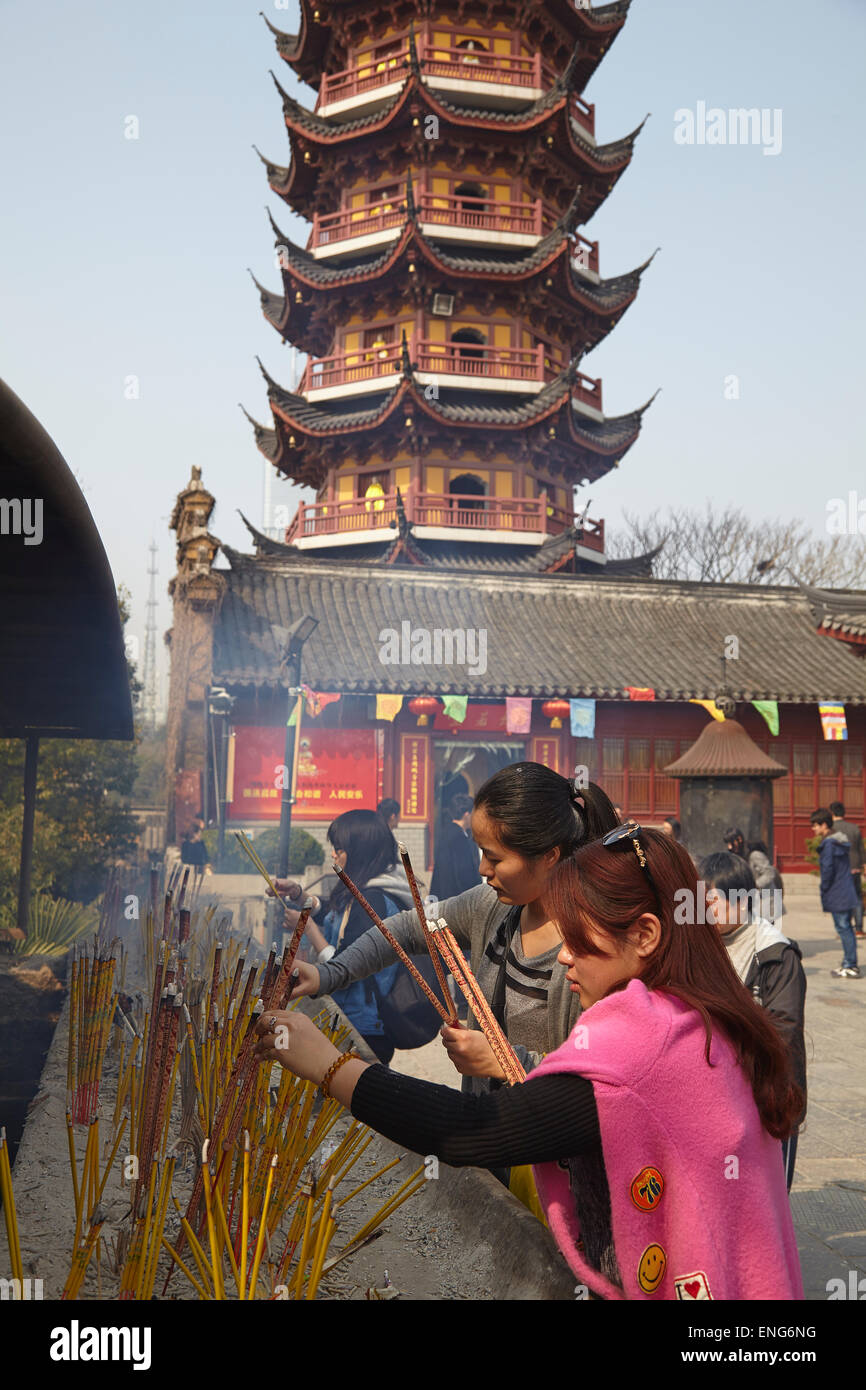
(408, 1017)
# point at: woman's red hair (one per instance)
(605, 889)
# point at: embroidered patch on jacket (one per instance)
(647, 1188)
(651, 1269)
(693, 1286)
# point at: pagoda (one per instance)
(446, 297)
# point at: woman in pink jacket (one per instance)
(655, 1128)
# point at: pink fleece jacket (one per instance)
(697, 1186)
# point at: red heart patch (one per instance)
(693, 1288)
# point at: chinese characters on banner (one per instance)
(337, 771)
(415, 776)
(546, 751)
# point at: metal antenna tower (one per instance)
(148, 673)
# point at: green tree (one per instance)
(83, 821)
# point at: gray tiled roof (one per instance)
(616, 152)
(606, 294)
(546, 634)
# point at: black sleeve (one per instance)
(783, 995)
(553, 1117)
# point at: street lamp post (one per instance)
(297, 635)
(220, 706)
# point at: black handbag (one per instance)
(408, 1017)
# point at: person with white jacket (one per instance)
(768, 962)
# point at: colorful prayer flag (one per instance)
(388, 706)
(316, 700)
(640, 692)
(518, 714)
(710, 707)
(769, 711)
(454, 707)
(833, 720)
(582, 714)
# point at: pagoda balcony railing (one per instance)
(443, 63)
(352, 517)
(379, 366)
(487, 216)
(487, 363)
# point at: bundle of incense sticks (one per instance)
(12, 1238)
(268, 1204)
(92, 1004)
(445, 941)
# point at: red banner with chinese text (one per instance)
(337, 771)
(546, 751)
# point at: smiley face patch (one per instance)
(647, 1188)
(651, 1269)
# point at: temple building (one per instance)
(447, 299)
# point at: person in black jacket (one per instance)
(768, 963)
(456, 865)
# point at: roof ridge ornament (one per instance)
(411, 209)
(413, 61)
(405, 360)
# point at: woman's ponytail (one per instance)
(535, 809)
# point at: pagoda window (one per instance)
(470, 47)
(372, 489)
(467, 486)
(470, 344)
(472, 210)
(379, 342)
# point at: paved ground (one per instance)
(829, 1192)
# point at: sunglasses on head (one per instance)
(630, 832)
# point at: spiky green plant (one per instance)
(54, 925)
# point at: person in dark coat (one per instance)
(455, 868)
(854, 836)
(837, 889)
(768, 963)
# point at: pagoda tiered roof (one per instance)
(323, 45)
(551, 557)
(549, 122)
(576, 447)
(544, 276)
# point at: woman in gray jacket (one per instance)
(526, 819)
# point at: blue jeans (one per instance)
(842, 923)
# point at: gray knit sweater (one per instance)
(474, 917)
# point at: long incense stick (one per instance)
(422, 922)
(394, 944)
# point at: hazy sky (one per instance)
(127, 258)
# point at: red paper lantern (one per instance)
(555, 711)
(424, 706)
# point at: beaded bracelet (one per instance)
(334, 1068)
